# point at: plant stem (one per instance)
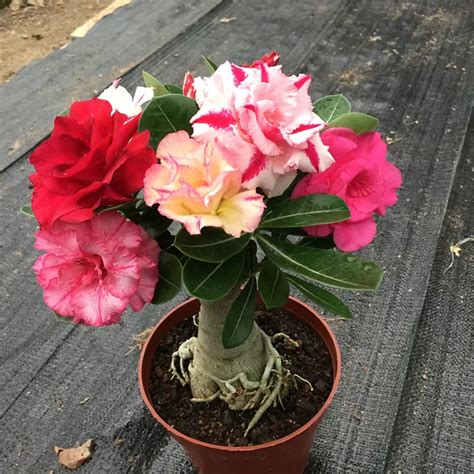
(211, 361)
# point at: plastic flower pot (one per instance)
(287, 455)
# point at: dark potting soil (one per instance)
(214, 422)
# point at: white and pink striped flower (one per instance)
(93, 270)
(198, 185)
(264, 119)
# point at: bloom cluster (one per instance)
(253, 134)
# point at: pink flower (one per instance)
(93, 270)
(362, 177)
(265, 119)
(197, 185)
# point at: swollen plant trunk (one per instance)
(212, 363)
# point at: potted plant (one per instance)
(236, 187)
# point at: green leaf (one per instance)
(317, 242)
(239, 322)
(320, 296)
(359, 123)
(174, 89)
(289, 231)
(331, 107)
(151, 81)
(210, 64)
(167, 114)
(212, 245)
(250, 262)
(211, 281)
(329, 267)
(169, 282)
(313, 209)
(273, 286)
(27, 210)
(150, 219)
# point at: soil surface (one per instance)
(33, 32)
(214, 422)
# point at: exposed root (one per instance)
(139, 340)
(185, 352)
(260, 395)
(282, 335)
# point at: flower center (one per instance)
(362, 185)
(96, 264)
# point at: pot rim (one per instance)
(315, 419)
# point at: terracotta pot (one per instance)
(287, 455)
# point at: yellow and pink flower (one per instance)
(197, 184)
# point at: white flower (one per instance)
(121, 100)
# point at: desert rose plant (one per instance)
(233, 185)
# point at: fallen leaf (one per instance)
(373, 39)
(84, 401)
(227, 19)
(72, 458)
(391, 140)
(455, 249)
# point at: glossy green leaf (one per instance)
(167, 114)
(320, 296)
(239, 322)
(27, 210)
(331, 107)
(250, 262)
(317, 242)
(313, 209)
(299, 231)
(169, 283)
(150, 219)
(210, 64)
(273, 286)
(211, 281)
(212, 245)
(174, 89)
(359, 123)
(329, 267)
(151, 81)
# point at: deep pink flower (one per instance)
(93, 270)
(362, 177)
(265, 118)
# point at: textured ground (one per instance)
(406, 392)
(33, 32)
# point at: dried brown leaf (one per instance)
(72, 458)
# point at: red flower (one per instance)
(93, 158)
(270, 59)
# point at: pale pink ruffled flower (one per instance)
(197, 185)
(93, 270)
(265, 119)
(362, 177)
(122, 101)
